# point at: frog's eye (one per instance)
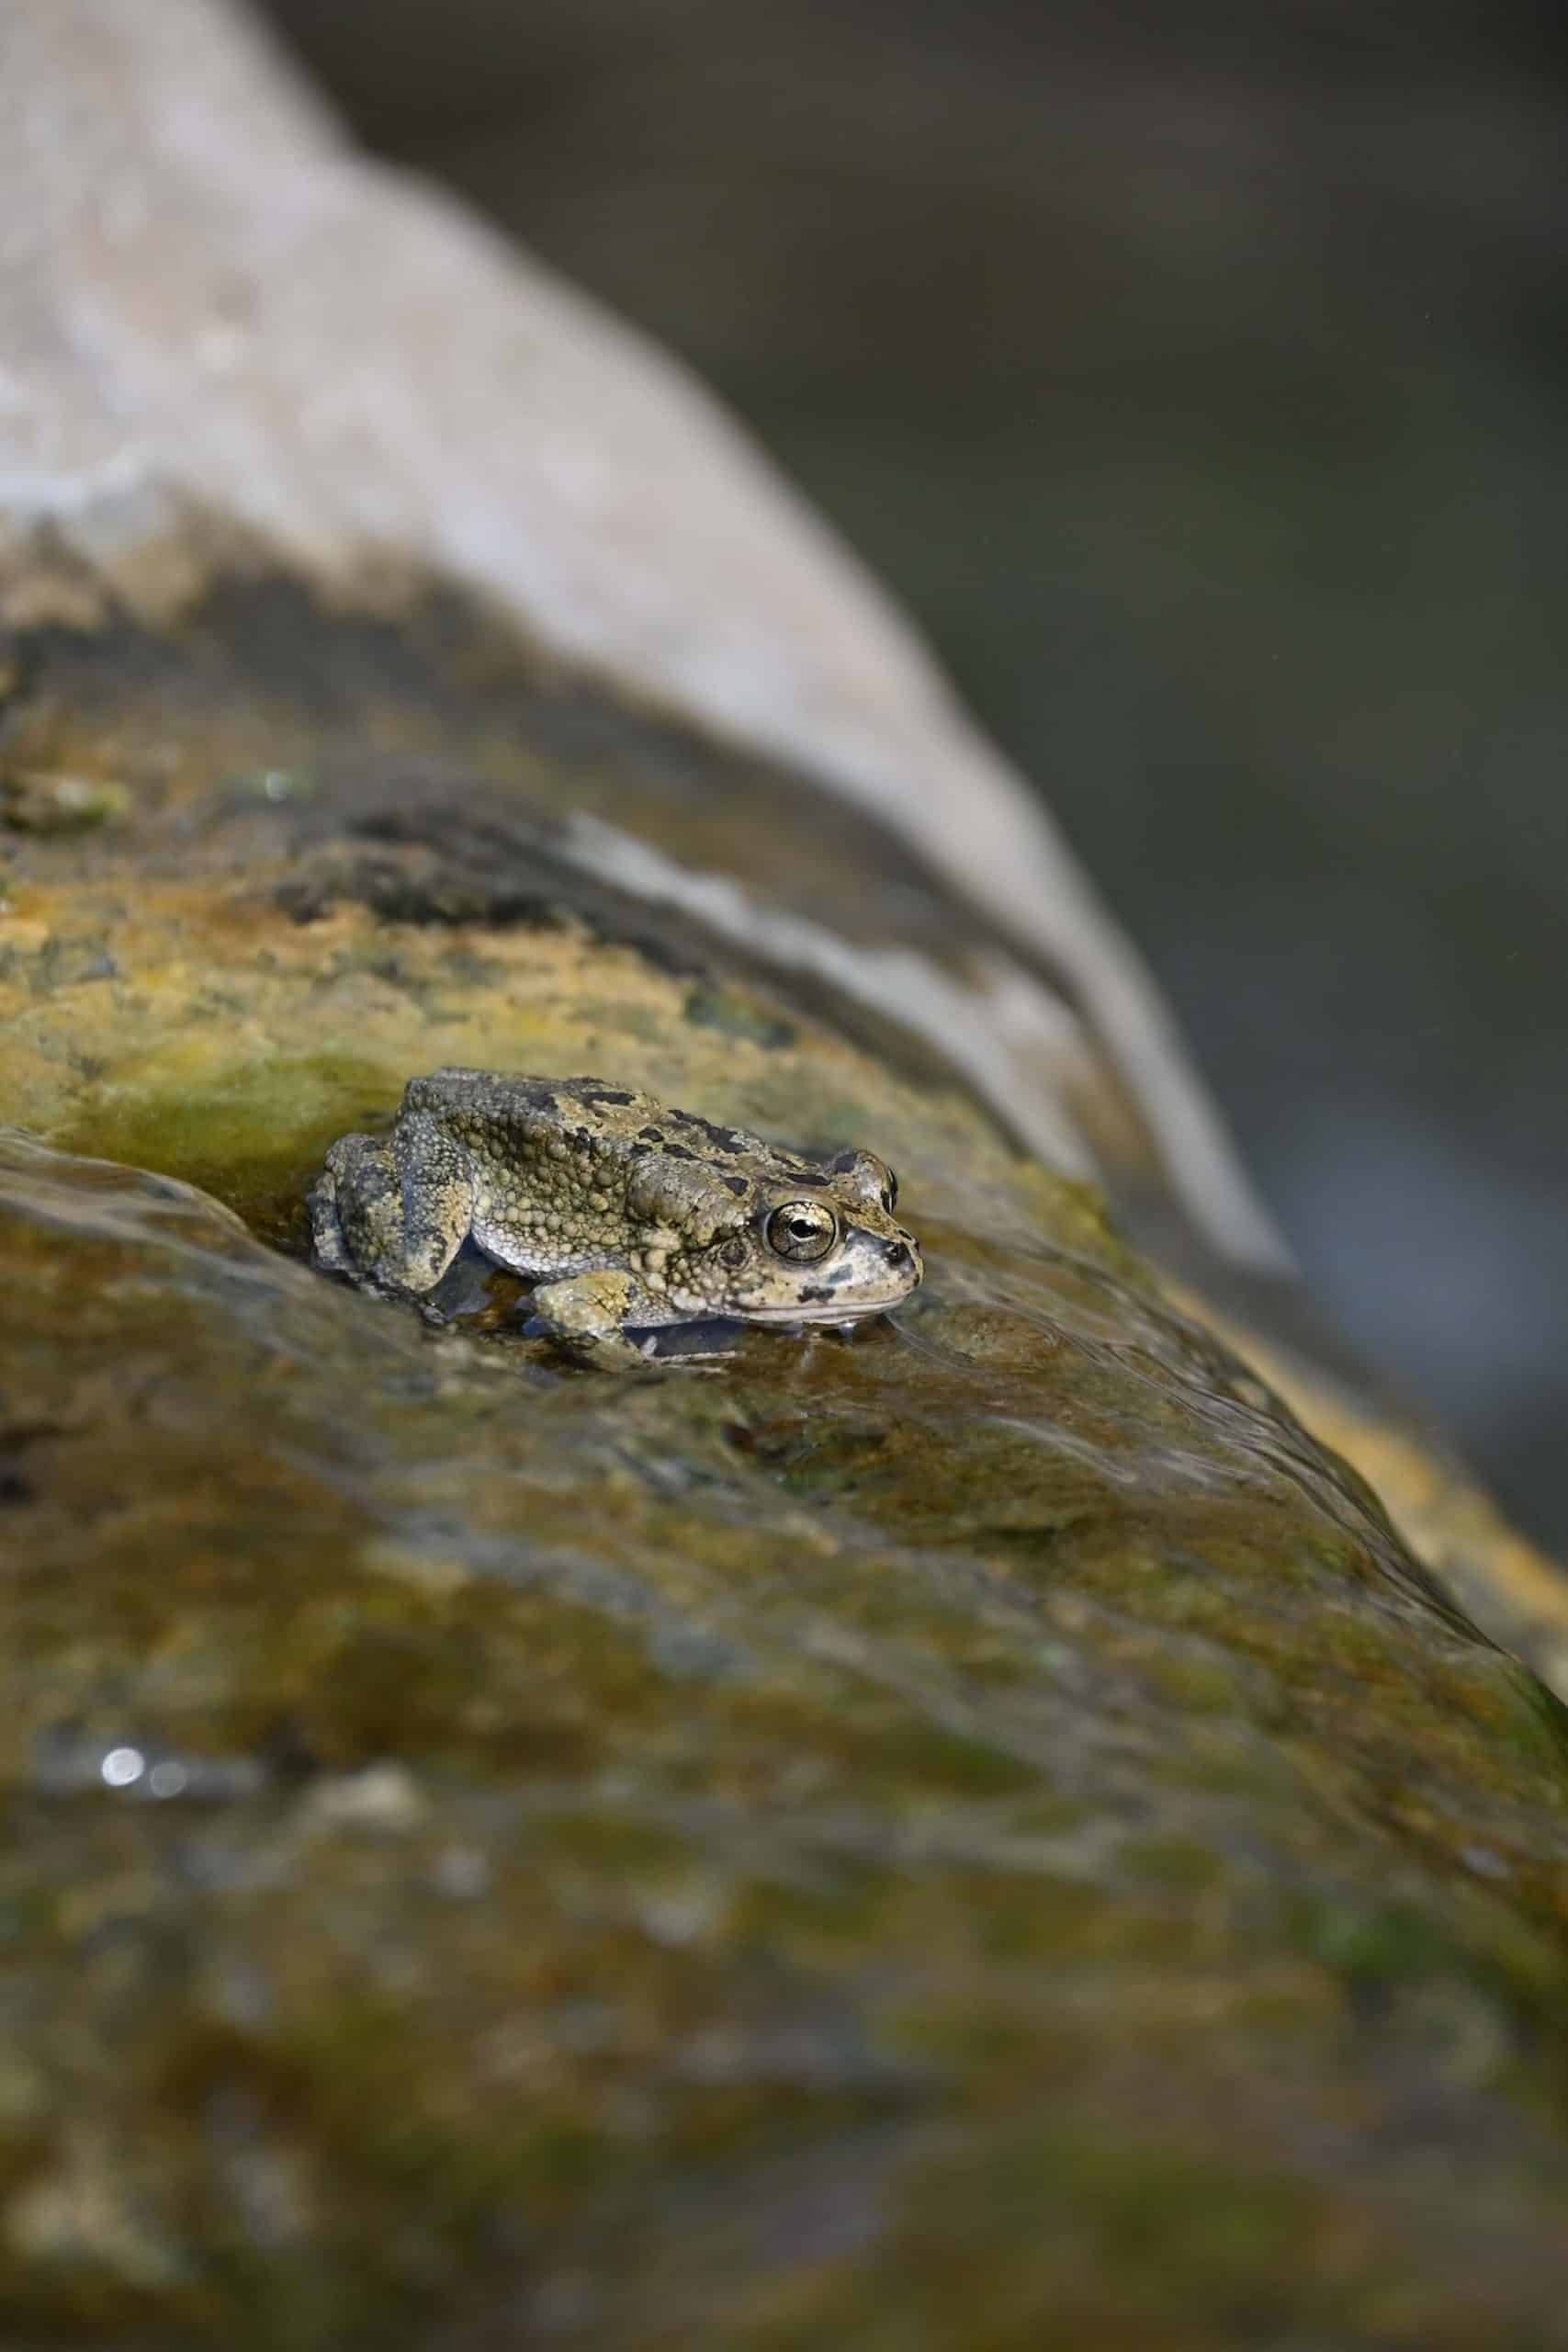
(802, 1231)
(890, 1192)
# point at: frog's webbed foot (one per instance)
(392, 1211)
(586, 1315)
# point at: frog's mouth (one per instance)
(833, 1310)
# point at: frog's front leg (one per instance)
(393, 1211)
(587, 1314)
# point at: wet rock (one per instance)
(983, 1808)
(975, 1831)
(984, 1812)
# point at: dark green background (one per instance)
(1199, 375)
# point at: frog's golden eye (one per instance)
(802, 1231)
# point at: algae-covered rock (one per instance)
(975, 1832)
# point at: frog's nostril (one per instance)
(896, 1252)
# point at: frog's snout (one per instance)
(902, 1261)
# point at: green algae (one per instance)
(253, 1134)
(734, 1015)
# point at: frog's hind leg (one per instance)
(393, 1211)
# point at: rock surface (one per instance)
(973, 1834)
(974, 1827)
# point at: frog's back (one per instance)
(502, 1093)
(506, 1117)
(512, 1124)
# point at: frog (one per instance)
(628, 1216)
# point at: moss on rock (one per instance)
(976, 1833)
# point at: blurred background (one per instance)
(1199, 377)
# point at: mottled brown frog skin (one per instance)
(635, 1215)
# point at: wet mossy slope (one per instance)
(973, 1834)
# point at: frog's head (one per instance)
(814, 1246)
